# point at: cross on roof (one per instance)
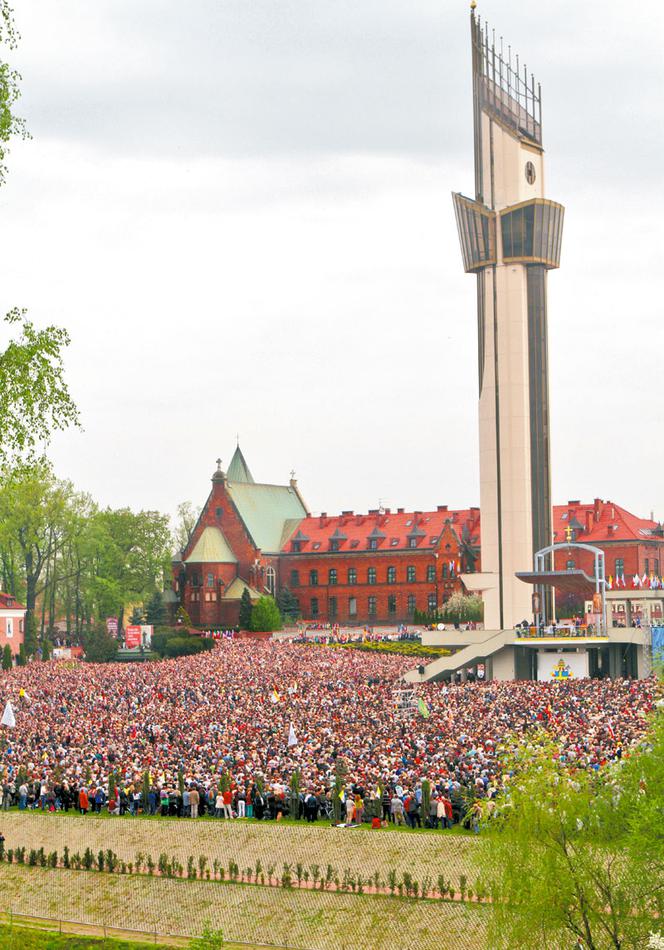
(218, 465)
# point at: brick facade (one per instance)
(379, 567)
(201, 586)
(12, 623)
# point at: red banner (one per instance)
(132, 638)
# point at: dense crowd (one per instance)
(223, 733)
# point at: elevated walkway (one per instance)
(484, 644)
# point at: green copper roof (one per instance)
(235, 590)
(238, 470)
(211, 548)
(265, 509)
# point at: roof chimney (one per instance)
(400, 511)
(441, 508)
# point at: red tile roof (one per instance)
(599, 521)
(594, 522)
(9, 602)
(391, 529)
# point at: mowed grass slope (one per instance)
(253, 914)
(358, 850)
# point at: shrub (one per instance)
(186, 646)
(99, 645)
(265, 615)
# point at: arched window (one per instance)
(270, 579)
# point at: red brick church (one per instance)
(373, 568)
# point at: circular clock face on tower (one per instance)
(530, 173)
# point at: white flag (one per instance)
(8, 718)
(292, 739)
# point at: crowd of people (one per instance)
(223, 734)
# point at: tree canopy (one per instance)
(265, 615)
(34, 397)
(11, 125)
(70, 559)
(577, 853)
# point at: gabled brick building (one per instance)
(379, 567)
(373, 568)
(633, 547)
(236, 543)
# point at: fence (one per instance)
(9, 918)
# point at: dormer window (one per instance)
(296, 546)
(334, 544)
(373, 544)
(412, 542)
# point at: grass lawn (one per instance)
(24, 938)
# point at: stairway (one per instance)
(467, 656)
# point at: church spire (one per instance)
(238, 470)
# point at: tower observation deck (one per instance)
(510, 236)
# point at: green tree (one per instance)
(129, 559)
(461, 608)
(136, 617)
(265, 615)
(246, 610)
(7, 660)
(33, 519)
(209, 940)
(182, 617)
(288, 605)
(46, 649)
(21, 658)
(577, 854)
(11, 126)
(34, 398)
(99, 645)
(154, 612)
(186, 518)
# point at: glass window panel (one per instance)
(466, 236)
(545, 230)
(559, 233)
(472, 240)
(552, 235)
(537, 234)
(507, 237)
(528, 219)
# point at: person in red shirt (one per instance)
(228, 798)
(83, 802)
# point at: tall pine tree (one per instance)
(245, 610)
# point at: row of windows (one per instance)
(619, 566)
(372, 606)
(372, 544)
(372, 575)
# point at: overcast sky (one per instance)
(241, 211)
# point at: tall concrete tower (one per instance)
(510, 236)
